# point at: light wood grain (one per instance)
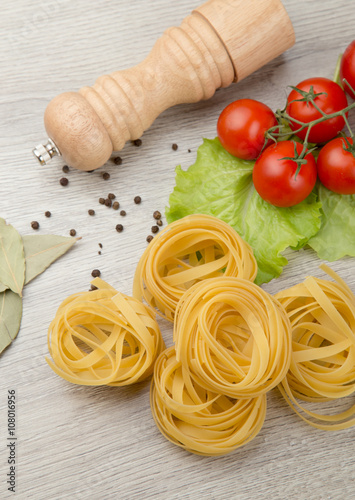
(220, 42)
(101, 443)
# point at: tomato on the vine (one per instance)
(347, 69)
(336, 166)
(328, 96)
(242, 125)
(275, 174)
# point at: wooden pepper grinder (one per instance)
(221, 42)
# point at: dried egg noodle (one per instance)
(187, 251)
(103, 337)
(233, 337)
(196, 419)
(322, 315)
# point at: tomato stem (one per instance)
(336, 76)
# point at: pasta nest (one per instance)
(188, 251)
(103, 337)
(322, 315)
(199, 420)
(233, 337)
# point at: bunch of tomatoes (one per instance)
(286, 171)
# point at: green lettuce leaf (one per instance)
(221, 185)
(336, 237)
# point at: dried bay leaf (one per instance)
(42, 250)
(10, 317)
(12, 258)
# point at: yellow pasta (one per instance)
(322, 315)
(103, 337)
(233, 337)
(187, 251)
(196, 419)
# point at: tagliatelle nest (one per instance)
(322, 315)
(103, 337)
(196, 419)
(233, 337)
(189, 250)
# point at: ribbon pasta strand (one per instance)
(197, 419)
(189, 250)
(103, 337)
(233, 337)
(322, 315)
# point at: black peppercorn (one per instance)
(154, 229)
(65, 169)
(102, 201)
(119, 228)
(116, 205)
(123, 213)
(149, 238)
(159, 222)
(35, 224)
(174, 147)
(157, 215)
(106, 176)
(72, 232)
(108, 202)
(95, 273)
(111, 196)
(137, 142)
(91, 212)
(47, 213)
(64, 181)
(117, 160)
(137, 200)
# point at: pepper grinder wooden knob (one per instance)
(221, 42)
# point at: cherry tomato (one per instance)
(242, 125)
(347, 68)
(336, 166)
(275, 178)
(332, 99)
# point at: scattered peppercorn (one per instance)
(123, 213)
(159, 222)
(64, 181)
(91, 212)
(137, 142)
(92, 288)
(100, 245)
(108, 202)
(111, 196)
(95, 273)
(117, 160)
(174, 147)
(116, 205)
(137, 200)
(65, 169)
(47, 213)
(149, 238)
(154, 229)
(119, 228)
(35, 224)
(72, 232)
(99, 252)
(189, 150)
(157, 215)
(102, 201)
(106, 176)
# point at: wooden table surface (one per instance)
(76, 442)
